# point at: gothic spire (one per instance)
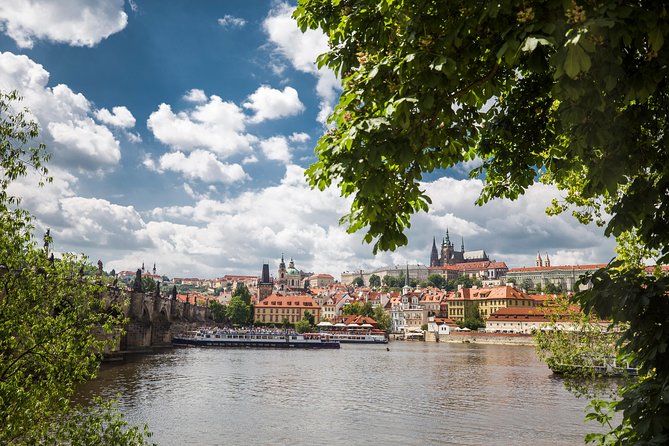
(462, 246)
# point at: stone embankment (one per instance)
(483, 338)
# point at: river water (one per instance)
(415, 394)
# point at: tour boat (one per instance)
(359, 338)
(255, 339)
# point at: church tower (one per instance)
(281, 283)
(446, 250)
(547, 262)
(265, 284)
(434, 255)
(540, 262)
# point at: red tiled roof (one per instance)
(294, 301)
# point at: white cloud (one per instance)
(199, 165)
(250, 159)
(302, 49)
(65, 117)
(299, 137)
(74, 22)
(229, 21)
(86, 138)
(216, 125)
(269, 103)
(195, 95)
(276, 148)
(118, 117)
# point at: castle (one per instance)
(449, 256)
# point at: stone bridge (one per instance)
(153, 320)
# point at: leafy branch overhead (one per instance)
(568, 93)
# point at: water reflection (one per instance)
(417, 393)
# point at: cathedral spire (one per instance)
(462, 246)
(434, 255)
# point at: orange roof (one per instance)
(294, 301)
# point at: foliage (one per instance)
(527, 285)
(303, 326)
(436, 280)
(309, 317)
(394, 281)
(218, 311)
(472, 319)
(464, 281)
(374, 281)
(570, 93)
(358, 308)
(382, 318)
(243, 293)
(626, 295)
(54, 323)
(575, 343)
(148, 285)
(552, 288)
(358, 282)
(238, 311)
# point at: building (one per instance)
(416, 272)
(289, 278)
(465, 301)
(277, 309)
(484, 271)
(447, 255)
(320, 280)
(265, 284)
(564, 277)
(526, 320)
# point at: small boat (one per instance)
(254, 339)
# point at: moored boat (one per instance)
(254, 339)
(359, 338)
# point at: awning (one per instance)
(324, 324)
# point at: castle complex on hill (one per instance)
(449, 256)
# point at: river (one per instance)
(414, 394)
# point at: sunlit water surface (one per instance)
(414, 394)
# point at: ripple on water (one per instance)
(416, 393)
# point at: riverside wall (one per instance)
(482, 338)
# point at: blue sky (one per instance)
(180, 131)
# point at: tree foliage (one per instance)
(243, 293)
(238, 311)
(436, 280)
(374, 281)
(54, 323)
(218, 311)
(573, 94)
(358, 282)
(303, 326)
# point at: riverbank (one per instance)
(482, 338)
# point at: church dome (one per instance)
(292, 272)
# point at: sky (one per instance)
(180, 131)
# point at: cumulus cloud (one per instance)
(299, 137)
(269, 103)
(276, 148)
(195, 95)
(302, 49)
(216, 125)
(118, 117)
(198, 165)
(229, 21)
(65, 117)
(74, 22)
